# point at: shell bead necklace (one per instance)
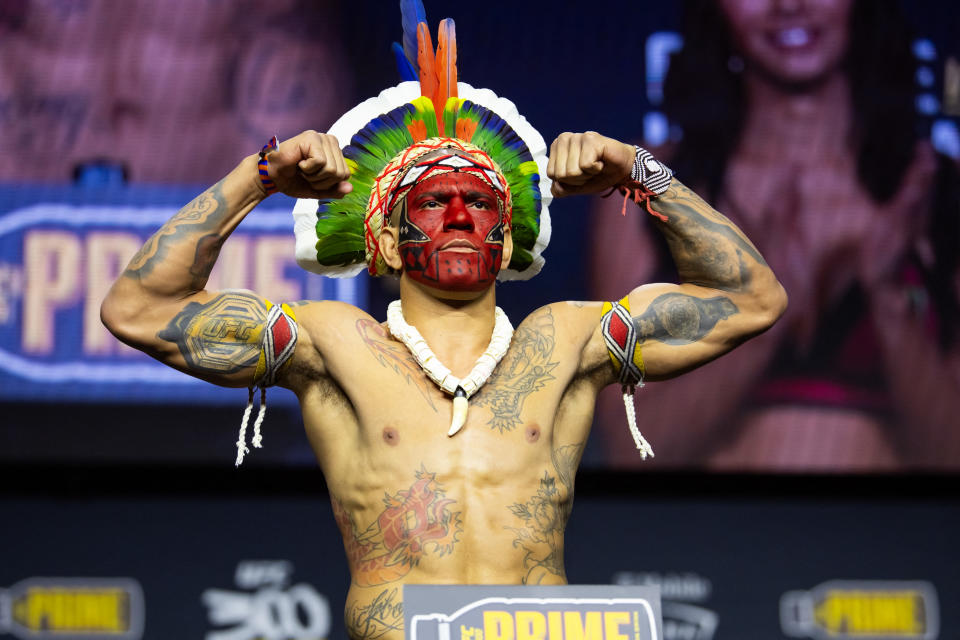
(460, 389)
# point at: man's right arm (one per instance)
(159, 304)
(727, 292)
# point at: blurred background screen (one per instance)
(833, 143)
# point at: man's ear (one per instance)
(507, 246)
(390, 247)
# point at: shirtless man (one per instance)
(487, 506)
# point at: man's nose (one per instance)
(456, 216)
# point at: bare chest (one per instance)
(389, 386)
(392, 421)
(506, 431)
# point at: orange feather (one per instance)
(465, 129)
(418, 130)
(446, 67)
(426, 61)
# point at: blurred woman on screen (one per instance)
(798, 119)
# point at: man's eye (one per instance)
(480, 204)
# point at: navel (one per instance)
(390, 436)
(532, 433)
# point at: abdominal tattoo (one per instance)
(383, 615)
(678, 318)
(415, 522)
(220, 336)
(198, 217)
(545, 517)
(526, 368)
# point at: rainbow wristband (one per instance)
(269, 185)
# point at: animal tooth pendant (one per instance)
(459, 411)
(431, 365)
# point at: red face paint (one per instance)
(451, 233)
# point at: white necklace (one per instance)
(460, 389)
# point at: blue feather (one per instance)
(404, 68)
(412, 14)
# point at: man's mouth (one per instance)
(461, 246)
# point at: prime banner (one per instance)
(60, 250)
(571, 612)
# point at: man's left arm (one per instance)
(727, 292)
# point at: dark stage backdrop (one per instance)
(115, 113)
(220, 555)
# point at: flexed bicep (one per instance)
(231, 338)
(159, 305)
(682, 319)
(680, 327)
(221, 336)
(662, 330)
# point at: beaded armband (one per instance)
(623, 347)
(648, 179)
(277, 344)
(650, 172)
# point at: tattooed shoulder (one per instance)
(392, 355)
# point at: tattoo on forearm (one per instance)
(545, 517)
(208, 249)
(525, 368)
(415, 522)
(707, 248)
(678, 318)
(199, 217)
(393, 355)
(220, 336)
(374, 620)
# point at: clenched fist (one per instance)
(310, 165)
(588, 163)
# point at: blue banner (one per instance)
(61, 248)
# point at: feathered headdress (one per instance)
(383, 136)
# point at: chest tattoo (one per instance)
(393, 355)
(527, 367)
